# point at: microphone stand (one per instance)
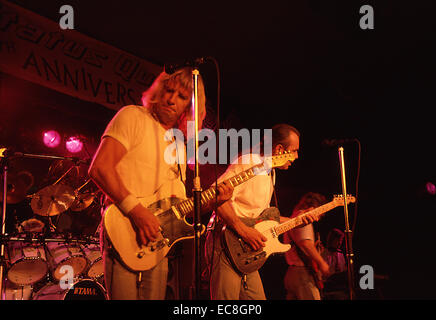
(196, 192)
(348, 235)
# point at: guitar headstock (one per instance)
(280, 159)
(339, 199)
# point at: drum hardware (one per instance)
(82, 200)
(33, 258)
(42, 239)
(63, 176)
(15, 292)
(26, 259)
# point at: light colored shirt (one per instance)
(143, 169)
(250, 198)
(335, 260)
(297, 234)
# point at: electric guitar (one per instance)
(246, 260)
(171, 210)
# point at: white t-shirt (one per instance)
(143, 169)
(251, 197)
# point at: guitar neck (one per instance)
(187, 206)
(297, 221)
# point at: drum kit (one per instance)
(60, 231)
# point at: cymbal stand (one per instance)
(63, 176)
(82, 186)
(4, 164)
(51, 227)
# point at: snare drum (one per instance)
(93, 254)
(85, 289)
(27, 261)
(65, 254)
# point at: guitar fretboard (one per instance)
(297, 221)
(187, 206)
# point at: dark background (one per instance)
(305, 63)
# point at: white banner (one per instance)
(36, 49)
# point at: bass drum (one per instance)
(85, 289)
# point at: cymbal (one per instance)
(68, 172)
(52, 200)
(82, 201)
(18, 185)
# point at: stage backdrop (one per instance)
(36, 49)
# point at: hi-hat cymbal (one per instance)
(82, 201)
(52, 200)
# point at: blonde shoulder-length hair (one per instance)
(183, 77)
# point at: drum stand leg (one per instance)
(3, 227)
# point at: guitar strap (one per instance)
(178, 165)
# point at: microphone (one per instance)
(336, 142)
(170, 68)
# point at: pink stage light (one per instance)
(74, 144)
(51, 138)
(431, 188)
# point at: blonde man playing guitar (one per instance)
(129, 165)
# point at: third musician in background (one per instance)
(306, 268)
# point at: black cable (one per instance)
(217, 128)
(357, 185)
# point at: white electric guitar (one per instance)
(171, 212)
(246, 260)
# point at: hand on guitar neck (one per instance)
(320, 268)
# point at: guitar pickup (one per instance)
(243, 245)
(255, 257)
